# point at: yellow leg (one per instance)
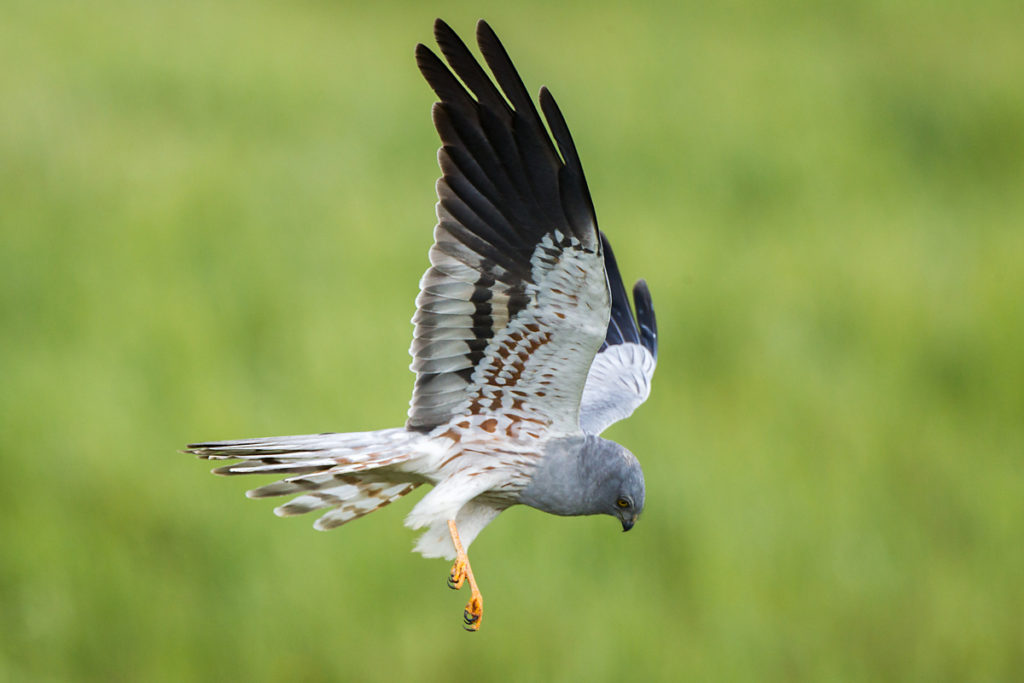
(461, 571)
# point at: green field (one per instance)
(213, 219)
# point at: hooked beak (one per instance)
(627, 524)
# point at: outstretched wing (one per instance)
(515, 303)
(620, 376)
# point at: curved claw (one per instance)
(474, 613)
(461, 571)
(457, 576)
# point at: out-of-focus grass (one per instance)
(214, 216)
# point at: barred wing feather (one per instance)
(515, 304)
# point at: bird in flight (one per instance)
(525, 345)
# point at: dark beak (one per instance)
(627, 524)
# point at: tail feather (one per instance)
(285, 446)
(352, 498)
(351, 452)
(273, 465)
(345, 472)
(369, 497)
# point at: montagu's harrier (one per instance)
(525, 345)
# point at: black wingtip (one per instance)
(485, 32)
(441, 26)
(559, 128)
(422, 53)
(621, 327)
(645, 316)
(507, 77)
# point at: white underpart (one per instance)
(436, 541)
(474, 480)
(619, 381)
(527, 386)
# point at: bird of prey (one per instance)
(525, 346)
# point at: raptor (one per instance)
(525, 345)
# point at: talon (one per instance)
(457, 576)
(474, 613)
(461, 571)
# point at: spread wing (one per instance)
(620, 376)
(515, 304)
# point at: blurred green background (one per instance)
(214, 216)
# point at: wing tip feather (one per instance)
(646, 317)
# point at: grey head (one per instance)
(587, 475)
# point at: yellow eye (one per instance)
(622, 503)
